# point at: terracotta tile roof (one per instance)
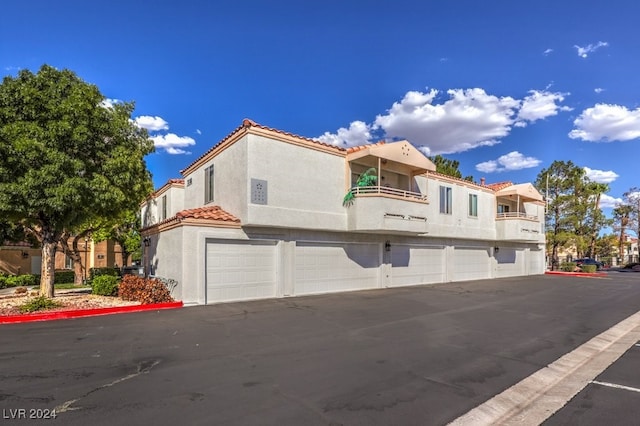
(246, 124)
(208, 213)
(176, 181)
(499, 185)
(361, 147)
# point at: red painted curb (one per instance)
(577, 274)
(56, 315)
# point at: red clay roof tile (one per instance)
(207, 212)
(499, 185)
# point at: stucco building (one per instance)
(261, 215)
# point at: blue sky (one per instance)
(504, 87)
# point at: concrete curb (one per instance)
(79, 313)
(577, 274)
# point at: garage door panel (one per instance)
(535, 262)
(334, 267)
(239, 270)
(415, 265)
(471, 263)
(510, 262)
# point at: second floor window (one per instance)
(446, 200)
(473, 205)
(503, 209)
(208, 184)
(163, 215)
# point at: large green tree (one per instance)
(449, 167)
(67, 157)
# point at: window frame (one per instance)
(446, 199)
(163, 206)
(472, 210)
(209, 186)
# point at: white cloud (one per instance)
(598, 90)
(511, 161)
(198, 131)
(109, 103)
(608, 202)
(607, 123)
(467, 119)
(173, 143)
(358, 133)
(151, 123)
(538, 105)
(546, 52)
(583, 52)
(600, 176)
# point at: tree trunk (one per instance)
(47, 271)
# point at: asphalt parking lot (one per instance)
(421, 355)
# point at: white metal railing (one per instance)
(385, 190)
(516, 215)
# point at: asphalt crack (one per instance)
(143, 367)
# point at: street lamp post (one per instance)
(86, 249)
(147, 243)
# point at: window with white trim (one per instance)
(163, 216)
(208, 184)
(473, 205)
(446, 199)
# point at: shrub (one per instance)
(589, 268)
(37, 304)
(18, 281)
(98, 272)
(568, 266)
(3, 282)
(62, 276)
(105, 285)
(143, 290)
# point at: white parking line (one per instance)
(539, 396)
(613, 385)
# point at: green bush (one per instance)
(25, 280)
(38, 304)
(98, 272)
(589, 268)
(105, 285)
(568, 266)
(63, 276)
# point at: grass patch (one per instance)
(67, 286)
(39, 303)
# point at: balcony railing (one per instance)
(516, 215)
(388, 191)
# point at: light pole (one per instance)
(147, 243)
(86, 249)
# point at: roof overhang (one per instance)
(401, 152)
(526, 191)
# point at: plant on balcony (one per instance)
(368, 178)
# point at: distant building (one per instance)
(21, 258)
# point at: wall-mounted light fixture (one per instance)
(496, 249)
(387, 245)
(146, 241)
(25, 255)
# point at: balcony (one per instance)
(519, 227)
(385, 191)
(387, 210)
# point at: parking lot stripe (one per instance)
(539, 396)
(613, 385)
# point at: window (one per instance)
(473, 205)
(208, 184)
(164, 208)
(503, 208)
(446, 200)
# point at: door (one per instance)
(471, 263)
(240, 270)
(416, 264)
(335, 267)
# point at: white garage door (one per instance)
(535, 262)
(334, 267)
(240, 270)
(470, 263)
(510, 262)
(414, 265)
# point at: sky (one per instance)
(504, 87)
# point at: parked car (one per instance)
(589, 261)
